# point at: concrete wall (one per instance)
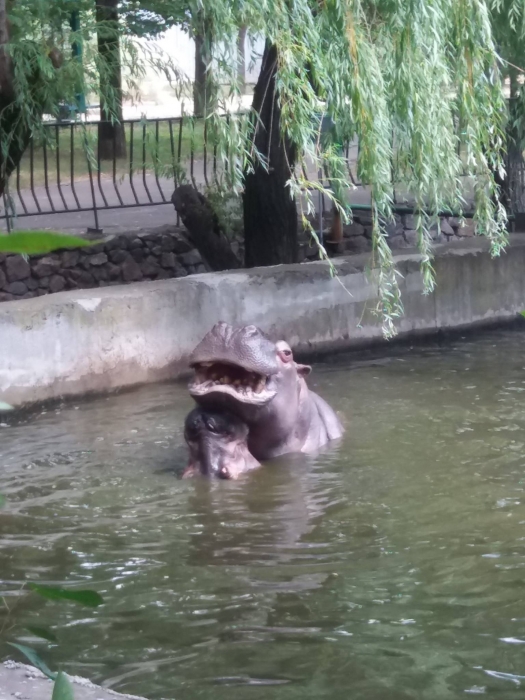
(94, 340)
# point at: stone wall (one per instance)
(101, 339)
(166, 252)
(155, 255)
(401, 234)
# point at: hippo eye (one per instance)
(213, 426)
(285, 354)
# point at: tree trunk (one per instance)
(270, 214)
(203, 226)
(200, 83)
(111, 134)
(241, 60)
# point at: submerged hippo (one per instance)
(241, 370)
(217, 444)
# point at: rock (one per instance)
(70, 258)
(46, 266)
(118, 256)
(454, 221)
(167, 244)
(156, 250)
(410, 222)
(80, 278)
(363, 217)
(17, 288)
(3, 279)
(95, 249)
(113, 271)
(164, 275)
(113, 243)
(131, 271)
(353, 229)
(201, 268)
(123, 242)
(394, 228)
(180, 270)
(358, 244)
(150, 267)
(56, 284)
(17, 268)
(181, 245)
(411, 237)
(29, 295)
(2, 257)
(168, 260)
(138, 254)
(193, 257)
(446, 228)
(135, 243)
(101, 274)
(32, 283)
(98, 259)
(43, 282)
(397, 242)
(4, 296)
(466, 231)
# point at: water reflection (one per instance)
(390, 566)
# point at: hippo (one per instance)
(217, 442)
(243, 371)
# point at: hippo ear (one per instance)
(303, 370)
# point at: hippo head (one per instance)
(241, 369)
(218, 444)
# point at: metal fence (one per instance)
(64, 172)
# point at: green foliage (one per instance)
(43, 633)
(5, 407)
(39, 242)
(416, 83)
(35, 659)
(227, 205)
(90, 599)
(62, 690)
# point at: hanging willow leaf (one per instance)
(62, 690)
(90, 599)
(43, 633)
(39, 242)
(33, 657)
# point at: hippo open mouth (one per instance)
(242, 384)
(239, 363)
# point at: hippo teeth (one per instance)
(213, 376)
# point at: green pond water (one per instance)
(387, 568)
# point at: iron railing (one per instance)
(64, 172)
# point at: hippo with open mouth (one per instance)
(243, 371)
(217, 443)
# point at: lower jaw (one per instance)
(222, 398)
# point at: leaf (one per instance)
(62, 690)
(90, 599)
(522, 313)
(38, 242)
(43, 633)
(5, 406)
(33, 657)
